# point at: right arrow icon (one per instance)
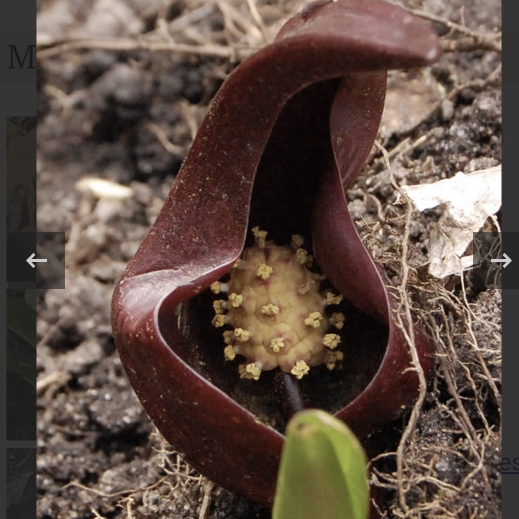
(506, 261)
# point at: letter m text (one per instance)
(29, 53)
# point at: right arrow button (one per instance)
(506, 261)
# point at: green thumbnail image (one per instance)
(21, 483)
(21, 365)
(21, 174)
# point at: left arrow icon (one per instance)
(31, 260)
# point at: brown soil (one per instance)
(129, 116)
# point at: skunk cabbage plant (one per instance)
(253, 297)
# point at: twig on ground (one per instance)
(406, 327)
(53, 48)
(206, 501)
(475, 40)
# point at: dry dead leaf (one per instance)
(468, 200)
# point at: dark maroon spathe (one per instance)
(286, 134)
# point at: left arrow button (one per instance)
(31, 260)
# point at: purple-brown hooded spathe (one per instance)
(303, 318)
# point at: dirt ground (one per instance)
(124, 108)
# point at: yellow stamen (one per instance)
(332, 299)
(301, 256)
(300, 369)
(219, 306)
(277, 343)
(251, 370)
(228, 337)
(235, 299)
(242, 335)
(270, 309)
(331, 340)
(297, 241)
(314, 319)
(337, 319)
(303, 289)
(219, 320)
(264, 271)
(333, 358)
(259, 236)
(218, 287)
(229, 353)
